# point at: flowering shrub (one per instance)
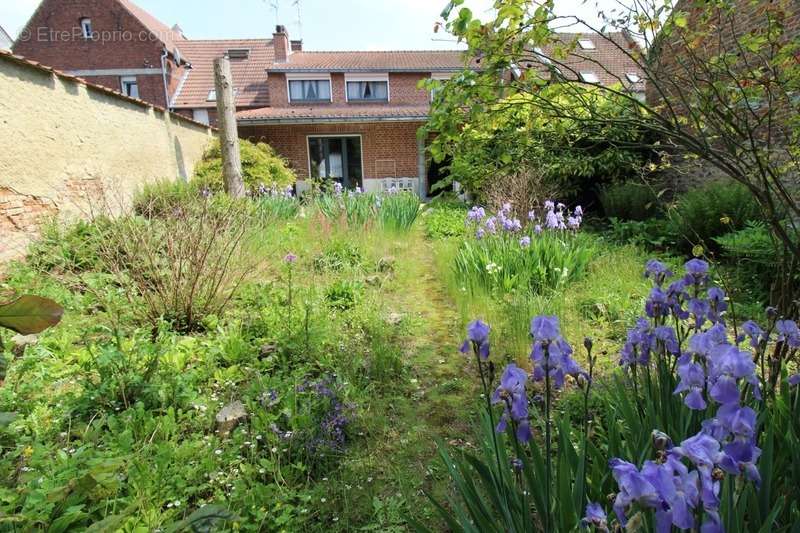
(728, 402)
(507, 255)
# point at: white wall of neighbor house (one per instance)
(72, 150)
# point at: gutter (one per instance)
(167, 99)
(328, 120)
(279, 70)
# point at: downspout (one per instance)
(164, 57)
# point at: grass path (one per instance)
(434, 399)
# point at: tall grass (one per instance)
(398, 212)
(393, 212)
(500, 264)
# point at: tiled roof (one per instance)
(171, 39)
(326, 113)
(607, 60)
(249, 76)
(392, 61)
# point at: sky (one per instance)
(326, 24)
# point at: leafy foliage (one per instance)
(262, 167)
(700, 215)
(442, 221)
(514, 134)
(630, 201)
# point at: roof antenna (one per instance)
(275, 4)
(297, 4)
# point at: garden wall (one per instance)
(73, 149)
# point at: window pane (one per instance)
(296, 90)
(354, 161)
(367, 90)
(323, 90)
(317, 154)
(335, 158)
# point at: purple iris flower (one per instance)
(639, 343)
(656, 304)
(788, 332)
(703, 451)
(545, 328)
(551, 354)
(755, 333)
(525, 242)
(596, 517)
(696, 272)
(491, 225)
(573, 222)
(478, 338)
(658, 271)
(480, 233)
(511, 393)
(531, 215)
(728, 365)
(676, 297)
(537, 229)
(476, 214)
(666, 334)
(633, 488)
(578, 211)
(794, 380)
(552, 221)
(549, 205)
(700, 309)
(717, 303)
(693, 380)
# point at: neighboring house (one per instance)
(346, 116)
(5, 40)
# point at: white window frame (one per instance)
(440, 76)
(589, 76)
(307, 77)
(330, 135)
(587, 44)
(86, 28)
(127, 80)
(201, 115)
(368, 77)
(212, 95)
(633, 77)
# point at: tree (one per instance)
(723, 80)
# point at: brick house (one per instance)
(348, 116)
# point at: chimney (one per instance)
(280, 41)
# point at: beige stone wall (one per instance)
(72, 149)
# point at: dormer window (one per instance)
(587, 44)
(86, 28)
(590, 77)
(309, 88)
(367, 88)
(239, 53)
(633, 77)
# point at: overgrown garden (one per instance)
(573, 342)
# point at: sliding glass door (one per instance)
(337, 159)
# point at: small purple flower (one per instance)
(656, 304)
(788, 332)
(531, 215)
(578, 211)
(693, 379)
(480, 233)
(549, 205)
(794, 380)
(491, 225)
(537, 229)
(290, 258)
(658, 271)
(754, 332)
(573, 222)
(696, 272)
(525, 242)
(476, 214)
(478, 338)
(596, 517)
(511, 393)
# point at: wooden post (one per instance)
(228, 134)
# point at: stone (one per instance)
(230, 416)
(394, 319)
(20, 342)
(268, 349)
(387, 264)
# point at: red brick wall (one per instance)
(402, 90)
(387, 145)
(53, 37)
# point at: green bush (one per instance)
(261, 167)
(629, 201)
(703, 214)
(161, 198)
(655, 233)
(71, 248)
(444, 221)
